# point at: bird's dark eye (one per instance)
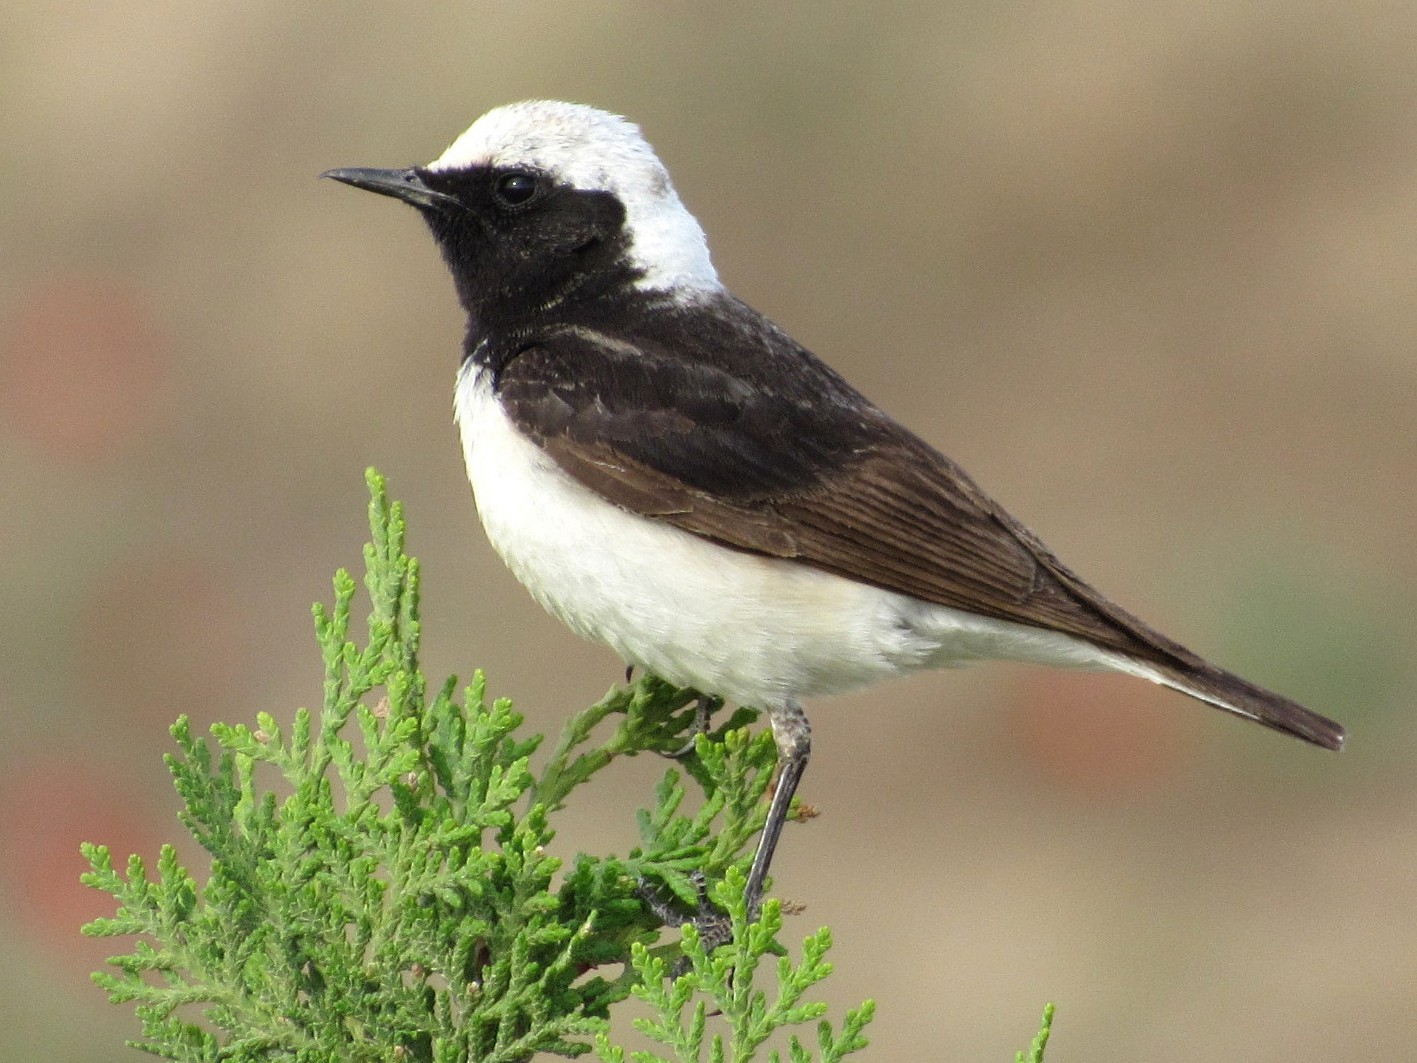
(515, 188)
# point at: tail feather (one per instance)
(1204, 681)
(1143, 651)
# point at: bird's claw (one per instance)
(713, 927)
(704, 709)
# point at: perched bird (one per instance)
(670, 473)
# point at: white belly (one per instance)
(757, 630)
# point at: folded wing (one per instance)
(811, 471)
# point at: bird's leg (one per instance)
(793, 735)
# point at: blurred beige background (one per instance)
(1149, 272)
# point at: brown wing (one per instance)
(820, 476)
(900, 521)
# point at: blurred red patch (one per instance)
(47, 807)
(1100, 733)
(84, 369)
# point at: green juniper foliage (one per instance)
(725, 977)
(1040, 1041)
(383, 891)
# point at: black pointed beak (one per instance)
(407, 185)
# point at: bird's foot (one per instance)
(713, 927)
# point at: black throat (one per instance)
(519, 270)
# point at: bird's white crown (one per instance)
(594, 150)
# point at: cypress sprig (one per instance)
(1040, 1040)
(380, 885)
(725, 980)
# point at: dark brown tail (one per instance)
(1146, 652)
(1225, 690)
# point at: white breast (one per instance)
(756, 630)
